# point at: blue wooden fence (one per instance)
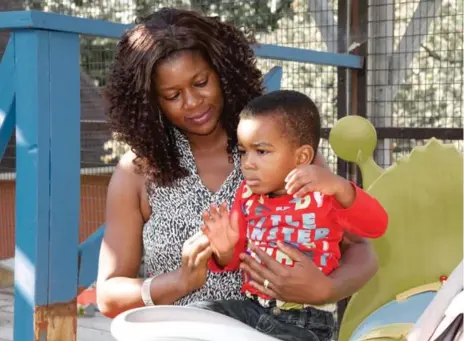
(40, 99)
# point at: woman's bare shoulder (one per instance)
(125, 175)
(127, 181)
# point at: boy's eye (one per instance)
(262, 152)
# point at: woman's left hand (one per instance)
(302, 283)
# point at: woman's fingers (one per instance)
(290, 251)
(214, 214)
(251, 273)
(258, 280)
(268, 291)
(255, 269)
(195, 247)
(203, 256)
(269, 262)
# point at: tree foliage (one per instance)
(430, 96)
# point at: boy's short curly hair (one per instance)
(133, 110)
(298, 114)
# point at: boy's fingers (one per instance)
(223, 212)
(303, 191)
(214, 213)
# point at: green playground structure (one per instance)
(423, 195)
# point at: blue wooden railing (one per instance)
(40, 99)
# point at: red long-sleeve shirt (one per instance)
(313, 224)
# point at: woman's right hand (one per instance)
(196, 252)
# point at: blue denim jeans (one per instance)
(309, 324)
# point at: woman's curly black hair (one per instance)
(133, 112)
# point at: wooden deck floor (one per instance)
(89, 328)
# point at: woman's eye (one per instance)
(172, 98)
(241, 152)
(202, 84)
(262, 152)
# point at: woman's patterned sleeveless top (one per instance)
(176, 216)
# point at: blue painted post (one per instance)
(47, 184)
(273, 79)
(7, 96)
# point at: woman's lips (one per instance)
(201, 118)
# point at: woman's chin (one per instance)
(206, 129)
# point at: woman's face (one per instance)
(189, 92)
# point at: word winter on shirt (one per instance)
(285, 227)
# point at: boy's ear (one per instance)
(305, 155)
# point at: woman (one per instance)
(178, 84)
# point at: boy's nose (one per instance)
(248, 164)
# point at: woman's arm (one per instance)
(118, 288)
(304, 282)
(358, 263)
(357, 266)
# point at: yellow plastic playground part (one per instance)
(435, 286)
(397, 331)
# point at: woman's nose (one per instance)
(192, 99)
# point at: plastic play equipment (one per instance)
(422, 194)
(444, 315)
(423, 245)
(181, 323)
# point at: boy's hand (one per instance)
(222, 232)
(312, 178)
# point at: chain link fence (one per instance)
(414, 75)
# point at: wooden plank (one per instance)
(33, 182)
(60, 22)
(47, 196)
(64, 165)
(10, 20)
(89, 251)
(273, 79)
(101, 28)
(309, 56)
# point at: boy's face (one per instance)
(267, 155)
